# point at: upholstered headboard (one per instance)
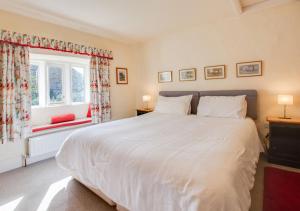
(251, 98)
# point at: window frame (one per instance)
(66, 63)
(63, 78)
(40, 80)
(86, 88)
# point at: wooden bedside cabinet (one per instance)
(284, 141)
(143, 111)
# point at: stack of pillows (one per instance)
(209, 106)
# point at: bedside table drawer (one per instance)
(284, 144)
(284, 141)
(285, 130)
(285, 147)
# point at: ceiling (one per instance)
(130, 20)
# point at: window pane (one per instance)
(55, 75)
(78, 94)
(34, 83)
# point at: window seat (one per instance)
(61, 125)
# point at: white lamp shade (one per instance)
(146, 98)
(285, 99)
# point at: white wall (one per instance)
(271, 35)
(123, 97)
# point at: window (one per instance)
(58, 80)
(34, 83)
(55, 87)
(78, 84)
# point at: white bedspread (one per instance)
(165, 162)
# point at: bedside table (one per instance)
(284, 141)
(143, 111)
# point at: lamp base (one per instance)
(285, 117)
(284, 113)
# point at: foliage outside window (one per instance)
(34, 75)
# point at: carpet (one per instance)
(281, 190)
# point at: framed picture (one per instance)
(214, 72)
(121, 75)
(164, 77)
(187, 74)
(249, 69)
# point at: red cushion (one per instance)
(88, 115)
(62, 118)
(65, 124)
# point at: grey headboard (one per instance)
(251, 98)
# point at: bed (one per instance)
(169, 162)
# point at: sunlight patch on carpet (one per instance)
(10, 206)
(52, 191)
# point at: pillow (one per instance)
(62, 118)
(222, 106)
(89, 114)
(244, 109)
(173, 105)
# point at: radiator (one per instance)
(45, 146)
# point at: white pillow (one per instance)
(222, 106)
(173, 105)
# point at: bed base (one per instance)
(102, 196)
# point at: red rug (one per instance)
(281, 190)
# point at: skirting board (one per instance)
(11, 163)
(34, 159)
(18, 161)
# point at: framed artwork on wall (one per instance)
(214, 72)
(165, 77)
(187, 74)
(249, 69)
(121, 75)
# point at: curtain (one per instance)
(100, 89)
(15, 96)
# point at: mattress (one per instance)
(167, 162)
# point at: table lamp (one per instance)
(285, 100)
(146, 100)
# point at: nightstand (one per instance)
(284, 141)
(143, 111)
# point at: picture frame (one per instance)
(165, 77)
(121, 75)
(215, 72)
(249, 69)
(187, 74)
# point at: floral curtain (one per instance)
(33, 41)
(100, 89)
(15, 96)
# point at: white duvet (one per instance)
(167, 162)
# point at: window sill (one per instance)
(58, 105)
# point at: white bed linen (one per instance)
(167, 162)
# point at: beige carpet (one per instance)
(44, 186)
